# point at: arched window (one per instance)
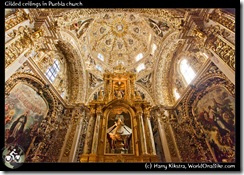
(176, 94)
(140, 67)
(187, 71)
(98, 67)
(52, 71)
(100, 56)
(139, 56)
(63, 94)
(154, 48)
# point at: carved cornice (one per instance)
(223, 19)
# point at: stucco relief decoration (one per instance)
(158, 27)
(119, 37)
(146, 81)
(215, 112)
(25, 68)
(80, 27)
(94, 81)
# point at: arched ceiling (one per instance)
(127, 36)
(138, 38)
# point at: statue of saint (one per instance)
(119, 135)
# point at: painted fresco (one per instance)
(24, 110)
(215, 112)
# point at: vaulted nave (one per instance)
(121, 85)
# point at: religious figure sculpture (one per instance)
(119, 136)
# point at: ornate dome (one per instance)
(120, 37)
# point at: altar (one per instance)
(119, 128)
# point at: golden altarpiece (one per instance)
(119, 129)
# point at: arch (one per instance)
(212, 108)
(45, 60)
(32, 114)
(26, 108)
(70, 40)
(97, 88)
(27, 86)
(119, 102)
(35, 83)
(110, 109)
(186, 71)
(162, 64)
(147, 94)
(201, 59)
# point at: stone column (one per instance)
(89, 135)
(149, 128)
(96, 131)
(163, 138)
(142, 132)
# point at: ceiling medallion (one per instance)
(119, 27)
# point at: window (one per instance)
(154, 47)
(52, 71)
(176, 94)
(139, 56)
(98, 67)
(100, 57)
(140, 67)
(62, 94)
(186, 70)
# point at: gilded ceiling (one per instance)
(147, 42)
(127, 36)
(119, 36)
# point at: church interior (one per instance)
(121, 85)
